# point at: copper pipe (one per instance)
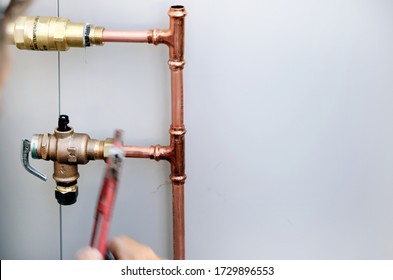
(137, 152)
(177, 131)
(178, 221)
(132, 36)
(175, 153)
(156, 152)
(177, 98)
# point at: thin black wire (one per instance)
(58, 63)
(58, 87)
(61, 233)
(58, 80)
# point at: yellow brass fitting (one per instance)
(52, 34)
(95, 35)
(108, 144)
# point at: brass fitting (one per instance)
(52, 34)
(67, 149)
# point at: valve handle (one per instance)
(25, 160)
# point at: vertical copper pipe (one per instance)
(178, 221)
(178, 178)
(174, 39)
(177, 98)
(177, 131)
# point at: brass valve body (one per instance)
(52, 34)
(67, 149)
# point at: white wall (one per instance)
(289, 117)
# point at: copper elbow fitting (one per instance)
(52, 34)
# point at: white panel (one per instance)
(289, 144)
(29, 215)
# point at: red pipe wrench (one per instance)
(107, 196)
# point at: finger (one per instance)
(88, 253)
(126, 248)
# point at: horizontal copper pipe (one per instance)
(156, 152)
(137, 152)
(126, 36)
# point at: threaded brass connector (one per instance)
(95, 35)
(52, 34)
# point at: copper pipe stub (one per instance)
(131, 36)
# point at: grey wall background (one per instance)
(289, 112)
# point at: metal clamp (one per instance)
(25, 161)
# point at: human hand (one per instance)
(122, 248)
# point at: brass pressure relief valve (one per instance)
(66, 149)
